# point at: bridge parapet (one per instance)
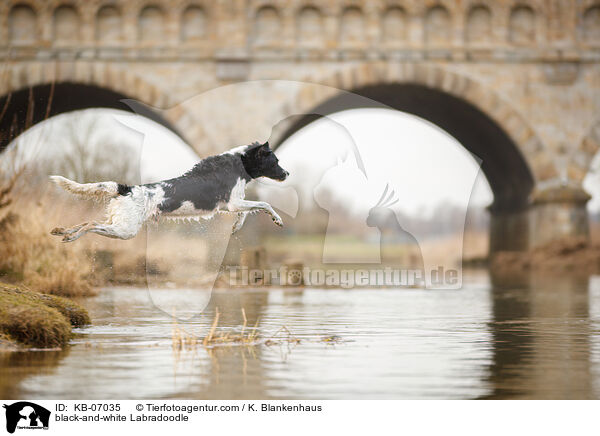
(448, 30)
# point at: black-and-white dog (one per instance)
(216, 184)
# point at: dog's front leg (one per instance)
(254, 206)
(239, 221)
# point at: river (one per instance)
(534, 338)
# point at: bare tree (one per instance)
(90, 154)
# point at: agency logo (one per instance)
(26, 415)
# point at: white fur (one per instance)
(241, 149)
(89, 190)
(237, 193)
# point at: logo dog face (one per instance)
(31, 412)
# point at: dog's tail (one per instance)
(93, 191)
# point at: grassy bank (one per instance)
(30, 319)
(566, 255)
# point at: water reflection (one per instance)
(18, 366)
(535, 337)
(541, 331)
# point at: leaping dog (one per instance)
(216, 184)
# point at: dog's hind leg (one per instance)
(61, 231)
(81, 230)
(105, 229)
(114, 231)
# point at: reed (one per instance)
(183, 339)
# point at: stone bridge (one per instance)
(517, 82)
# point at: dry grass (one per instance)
(177, 252)
(572, 255)
(441, 250)
(249, 337)
(595, 232)
(72, 311)
(184, 339)
(29, 255)
(38, 320)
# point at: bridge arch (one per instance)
(74, 86)
(429, 82)
(513, 157)
(588, 148)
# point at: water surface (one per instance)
(536, 338)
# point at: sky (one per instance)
(159, 153)
(422, 164)
(419, 162)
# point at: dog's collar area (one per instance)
(250, 169)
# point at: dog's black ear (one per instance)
(264, 149)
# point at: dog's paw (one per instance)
(239, 222)
(57, 231)
(277, 220)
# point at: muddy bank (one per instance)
(573, 255)
(30, 319)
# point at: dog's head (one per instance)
(260, 161)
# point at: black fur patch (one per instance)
(123, 189)
(250, 160)
(208, 183)
(260, 161)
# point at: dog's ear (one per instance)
(264, 149)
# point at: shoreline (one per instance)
(30, 319)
